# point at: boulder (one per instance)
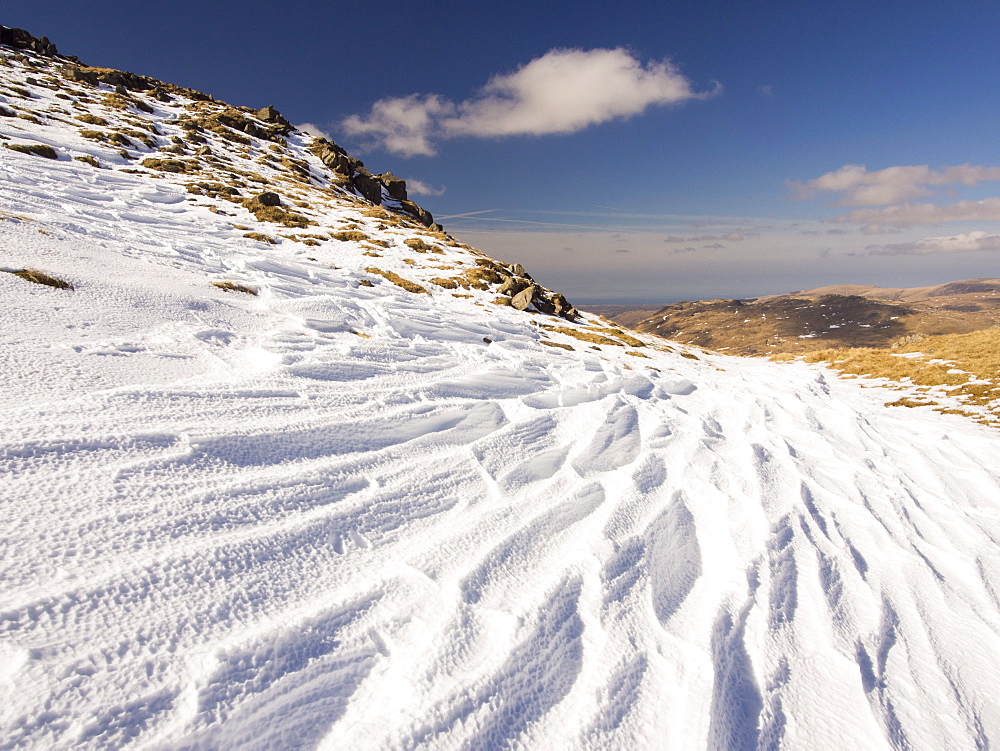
(562, 308)
(368, 186)
(270, 115)
(518, 270)
(262, 201)
(512, 286)
(124, 81)
(74, 73)
(526, 297)
(421, 215)
(334, 157)
(395, 185)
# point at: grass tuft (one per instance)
(234, 287)
(398, 280)
(40, 277)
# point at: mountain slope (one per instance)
(340, 513)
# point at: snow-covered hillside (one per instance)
(343, 514)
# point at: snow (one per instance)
(334, 516)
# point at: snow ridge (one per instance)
(335, 515)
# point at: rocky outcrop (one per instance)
(335, 158)
(420, 214)
(20, 39)
(368, 185)
(395, 186)
(525, 294)
(271, 115)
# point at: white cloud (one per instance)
(314, 130)
(420, 188)
(859, 187)
(402, 125)
(563, 91)
(909, 214)
(949, 244)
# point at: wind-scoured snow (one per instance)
(335, 516)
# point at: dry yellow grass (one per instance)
(398, 280)
(963, 367)
(40, 277)
(585, 336)
(234, 287)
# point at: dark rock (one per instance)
(124, 81)
(4, 112)
(543, 304)
(267, 198)
(562, 307)
(421, 215)
(252, 130)
(73, 73)
(368, 186)
(395, 185)
(22, 40)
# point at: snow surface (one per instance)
(334, 516)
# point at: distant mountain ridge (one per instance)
(835, 316)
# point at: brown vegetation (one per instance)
(234, 287)
(40, 277)
(398, 280)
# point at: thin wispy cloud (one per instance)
(859, 187)
(949, 244)
(909, 214)
(729, 237)
(563, 91)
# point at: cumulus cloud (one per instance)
(859, 187)
(402, 125)
(420, 188)
(986, 210)
(949, 244)
(314, 130)
(563, 91)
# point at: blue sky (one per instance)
(650, 152)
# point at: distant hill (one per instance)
(826, 317)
